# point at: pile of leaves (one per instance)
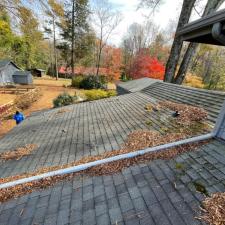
(214, 209)
(135, 141)
(7, 110)
(18, 153)
(188, 114)
(25, 100)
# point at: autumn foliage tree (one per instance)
(112, 62)
(146, 66)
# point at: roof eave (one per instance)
(200, 31)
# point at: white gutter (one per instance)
(107, 160)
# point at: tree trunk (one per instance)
(99, 53)
(177, 44)
(73, 37)
(98, 61)
(185, 63)
(55, 53)
(211, 6)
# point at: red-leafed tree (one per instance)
(146, 66)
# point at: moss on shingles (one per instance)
(179, 166)
(193, 129)
(200, 188)
(149, 123)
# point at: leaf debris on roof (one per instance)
(61, 111)
(213, 211)
(188, 114)
(18, 153)
(135, 141)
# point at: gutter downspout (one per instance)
(217, 33)
(107, 160)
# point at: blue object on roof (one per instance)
(18, 117)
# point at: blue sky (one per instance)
(170, 10)
(167, 11)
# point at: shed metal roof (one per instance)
(200, 31)
(41, 70)
(5, 62)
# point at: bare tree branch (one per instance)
(105, 21)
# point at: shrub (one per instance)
(63, 100)
(76, 81)
(98, 94)
(194, 81)
(25, 100)
(111, 93)
(92, 82)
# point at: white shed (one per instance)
(7, 69)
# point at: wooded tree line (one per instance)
(202, 60)
(75, 33)
(176, 68)
(62, 34)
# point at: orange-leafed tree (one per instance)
(112, 62)
(146, 66)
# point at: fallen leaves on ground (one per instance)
(214, 209)
(18, 153)
(25, 100)
(188, 114)
(136, 140)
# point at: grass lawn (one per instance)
(49, 81)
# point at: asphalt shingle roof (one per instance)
(160, 192)
(155, 193)
(135, 85)
(211, 101)
(84, 129)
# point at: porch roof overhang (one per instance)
(200, 31)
